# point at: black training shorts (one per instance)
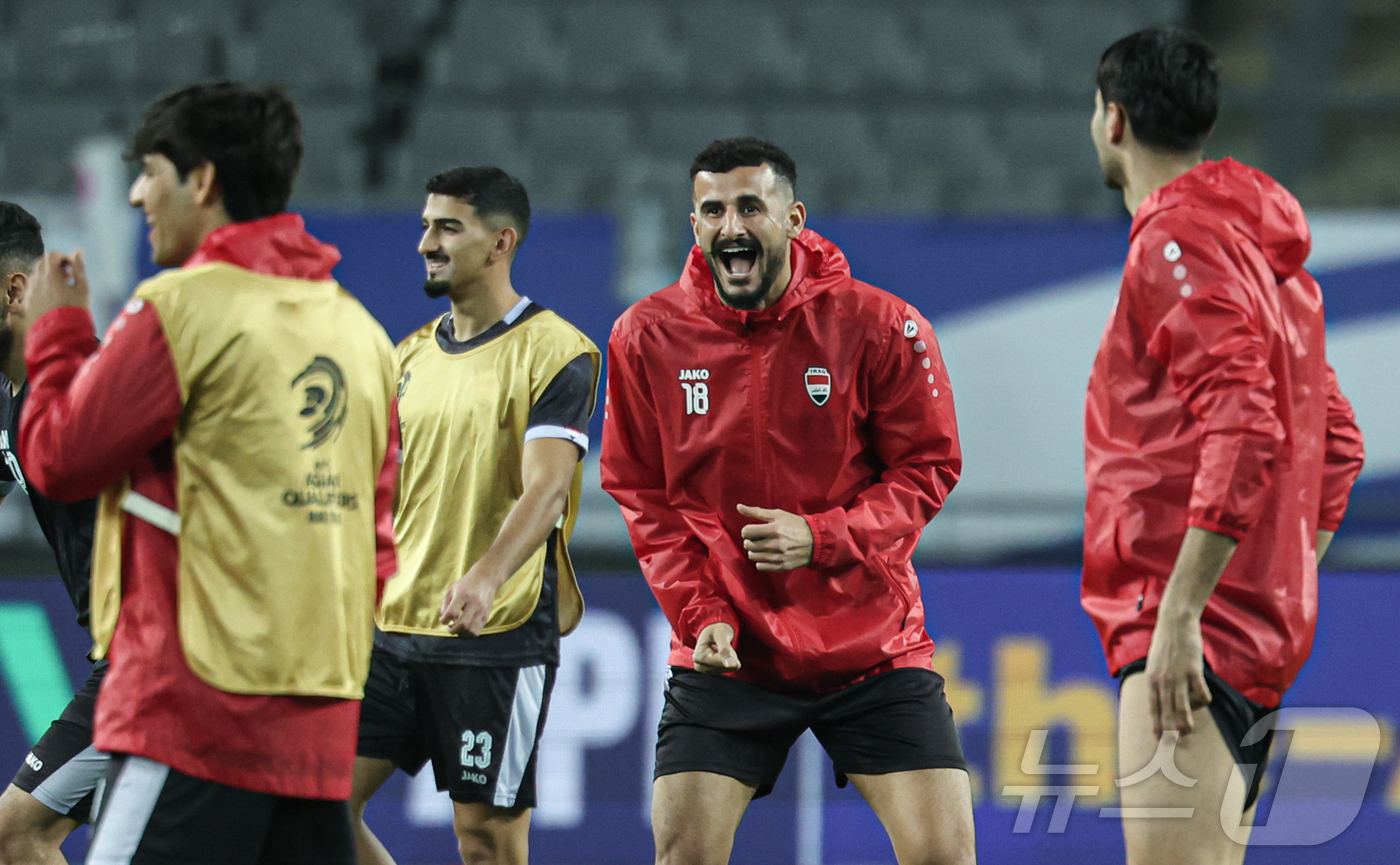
(480, 726)
(1234, 714)
(154, 815)
(894, 722)
(64, 769)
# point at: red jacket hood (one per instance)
(817, 266)
(275, 245)
(1250, 200)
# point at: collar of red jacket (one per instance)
(275, 245)
(817, 265)
(1250, 200)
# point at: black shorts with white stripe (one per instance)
(64, 770)
(480, 726)
(152, 814)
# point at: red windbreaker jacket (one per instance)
(95, 414)
(1211, 404)
(832, 404)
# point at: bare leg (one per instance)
(487, 835)
(1202, 756)
(694, 816)
(927, 813)
(30, 831)
(370, 775)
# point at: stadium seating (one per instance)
(869, 47)
(183, 41)
(72, 47)
(492, 45)
(313, 47)
(888, 104)
(601, 61)
(446, 135)
(333, 160)
(40, 137)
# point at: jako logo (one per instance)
(695, 375)
(33, 762)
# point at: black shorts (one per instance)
(1234, 714)
(894, 722)
(480, 726)
(64, 770)
(153, 815)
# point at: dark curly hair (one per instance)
(21, 241)
(490, 191)
(251, 136)
(728, 154)
(1168, 82)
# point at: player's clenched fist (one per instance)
(782, 542)
(714, 650)
(59, 280)
(467, 605)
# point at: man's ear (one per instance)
(1115, 123)
(507, 241)
(16, 287)
(797, 219)
(207, 191)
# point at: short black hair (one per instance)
(489, 190)
(1168, 82)
(251, 136)
(727, 154)
(21, 242)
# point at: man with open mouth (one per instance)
(778, 434)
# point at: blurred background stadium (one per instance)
(944, 145)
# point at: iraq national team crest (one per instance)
(818, 382)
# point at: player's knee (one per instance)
(476, 845)
(923, 845)
(19, 840)
(490, 840)
(690, 846)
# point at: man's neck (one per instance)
(1148, 171)
(15, 369)
(480, 306)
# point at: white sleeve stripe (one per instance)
(550, 431)
(517, 310)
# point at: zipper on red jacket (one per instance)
(756, 412)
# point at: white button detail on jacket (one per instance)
(920, 346)
(911, 329)
(1179, 271)
(927, 363)
(1172, 251)
(1186, 290)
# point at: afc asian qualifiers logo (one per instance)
(322, 389)
(818, 382)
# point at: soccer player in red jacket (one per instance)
(205, 773)
(778, 434)
(1219, 453)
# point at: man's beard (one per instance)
(436, 288)
(768, 266)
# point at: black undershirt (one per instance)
(67, 527)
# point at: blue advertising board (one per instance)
(1018, 306)
(1018, 653)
